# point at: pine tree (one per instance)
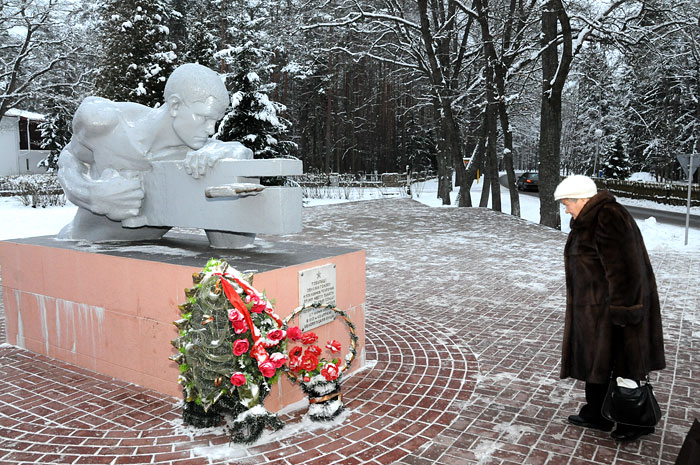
(137, 54)
(255, 119)
(56, 130)
(199, 42)
(618, 164)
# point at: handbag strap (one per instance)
(641, 355)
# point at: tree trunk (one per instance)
(444, 174)
(554, 72)
(507, 147)
(492, 140)
(550, 129)
(485, 189)
(495, 83)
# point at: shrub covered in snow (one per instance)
(35, 190)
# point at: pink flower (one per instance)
(330, 372)
(294, 333)
(238, 379)
(235, 315)
(258, 304)
(306, 379)
(275, 335)
(239, 326)
(267, 369)
(333, 346)
(308, 338)
(316, 350)
(278, 359)
(240, 347)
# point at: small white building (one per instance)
(20, 139)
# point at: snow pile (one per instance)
(642, 177)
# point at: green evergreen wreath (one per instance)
(227, 367)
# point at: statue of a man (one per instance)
(114, 143)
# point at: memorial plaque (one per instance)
(317, 285)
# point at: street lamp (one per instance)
(598, 135)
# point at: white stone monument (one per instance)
(135, 172)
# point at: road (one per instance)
(662, 216)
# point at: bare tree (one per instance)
(555, 70)
(34, 42)
(432, 42)
(512, 27)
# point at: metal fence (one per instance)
(668, 193)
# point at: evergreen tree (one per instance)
(199, 42)
(138, 55)
(661, 87)
(591, 102)
(618, 164)
(255, 119)
(56, 130)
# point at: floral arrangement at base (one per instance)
(320, 378)
(231, 349)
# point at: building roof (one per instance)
(24, 114)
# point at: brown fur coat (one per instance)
(613, 318)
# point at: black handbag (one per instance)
(635, 407)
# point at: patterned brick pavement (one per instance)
(464, 320)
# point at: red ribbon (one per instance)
(258, 351)
(250, 291)
(238, 304)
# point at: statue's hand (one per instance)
(116, 196)
(198, 161)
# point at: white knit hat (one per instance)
(576, 187)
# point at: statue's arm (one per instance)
(111, 193)
(198, 161)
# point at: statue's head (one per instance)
(196, 98)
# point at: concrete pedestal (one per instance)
(109, 307)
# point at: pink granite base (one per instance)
(113, 314)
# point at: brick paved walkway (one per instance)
(464, 321)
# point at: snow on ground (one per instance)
(656, 235)
(21, 221)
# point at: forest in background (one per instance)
(360, 86)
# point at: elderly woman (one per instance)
(613, 319)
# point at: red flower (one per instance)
(309, 362)
(238, 379)
(258, 304)
(267, 369)
(276, 335)
(278, 359)
(295, 352)
(240, 347)
(308, 338)
(306, 379)
(294, 333)
(239, 327)
(316, 350)
(330, 372)
(259, 353)
(333, 346)
(295, 364)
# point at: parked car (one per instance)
(527, 182)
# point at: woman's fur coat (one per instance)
(613, 319)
